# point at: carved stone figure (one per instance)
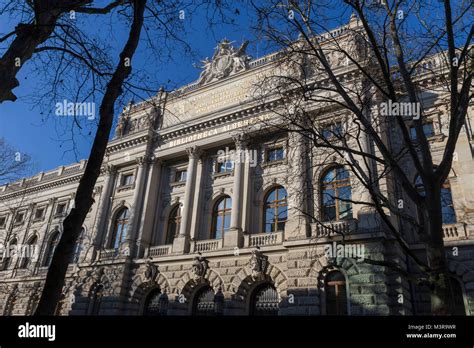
(199, 268)
(258, 264)
(151, 272)
(225, 61)
(122, 126)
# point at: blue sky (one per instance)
(31, 129)
(29, 124)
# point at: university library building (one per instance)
(205, 205)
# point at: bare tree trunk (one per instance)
(28, 37)
(83, 200)
(442, 302)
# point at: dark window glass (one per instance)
(428, 130)
(181, 176)
(332, 130)
(127, 180)
(276, 154)
(276, 210)
(60, 209)
(225, 167)
(53, 241)
(8, 254)
(26, 257)
(120, 228)
(174, 224)
(336, 193)
(78, 247)
(221, 217)
(19, 217)
(336, 297)
(39, 213)
(447, 206)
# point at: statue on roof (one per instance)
(225, 61)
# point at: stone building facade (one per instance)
(176, 228)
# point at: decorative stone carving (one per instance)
(226, 61)
(199, 268)
(151, 272)
(194, 152)
(241, 140)
(121, 128)
(258, 264)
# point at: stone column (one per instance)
(135, 212)
(296, 226)
(181, 242)
(366, 215)
(197, 204)
(100, 232)
(151, 199)
(234, 237)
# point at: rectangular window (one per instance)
(3, 221)
(225, 167)
(275, 154)
(39, 213)
(19, 218)
(180, 176)
(331, 130)
(428, 130)
(61, 209)
(127, 179)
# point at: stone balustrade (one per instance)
(207, 245)
(263, 239)
(455, 231)
(333, 228)
(159, 250)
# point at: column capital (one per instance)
(156, 160)
(241, 140)
(194, 152)
(110, 169)
(142, 160)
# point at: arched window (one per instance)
(152, 303)
(456, 288)
(78, 247)
(53, 241)
(336, 297)
(221, 217)
(447, 206)
(28, 252)
(8, 254)
(120, 228)
(204, 302)
(276, 210)
(335, 192)
(174, 224)
(264, 301)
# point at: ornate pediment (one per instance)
(226, 61)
